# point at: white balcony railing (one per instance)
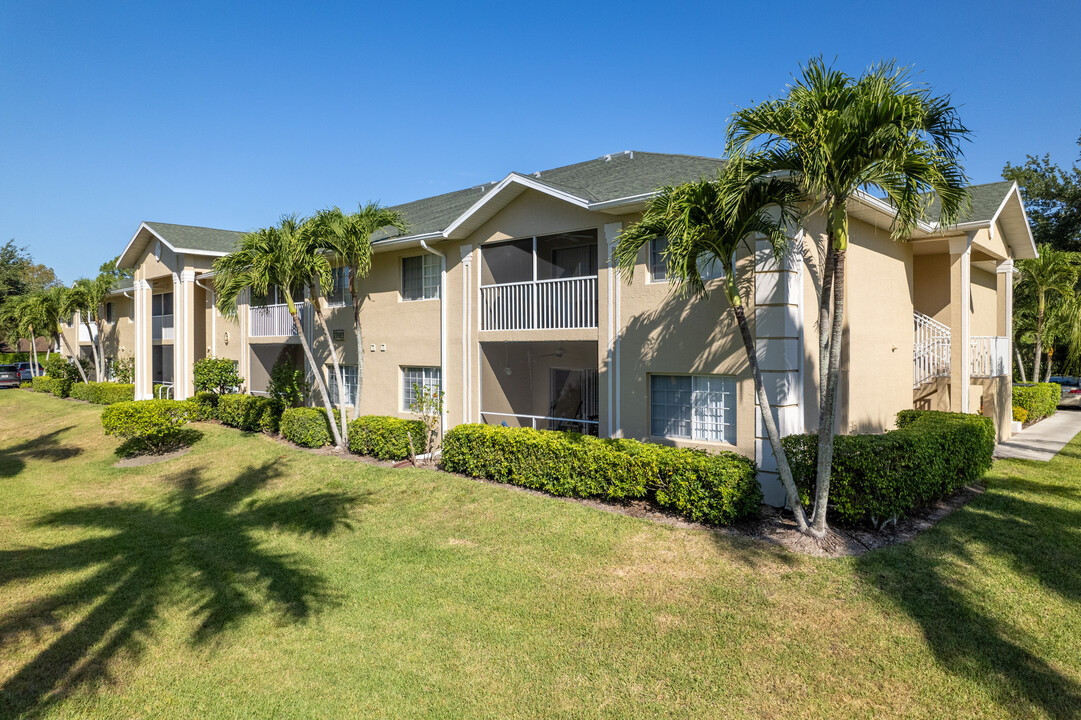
(930, 351)
(990, 356)
(275, 320)
(564, 304)
(161, 327)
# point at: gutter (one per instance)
(442, 327)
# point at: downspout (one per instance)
(213, 320)
(442, 328)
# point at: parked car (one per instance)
(26, 371)
(9, 376)
(1071, 396)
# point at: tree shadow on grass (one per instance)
(43, 447)
(198, 548)
(930, 580)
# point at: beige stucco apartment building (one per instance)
(505, 295)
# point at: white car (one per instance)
(1071, 391)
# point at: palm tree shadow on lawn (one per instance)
(197, 546)
(927, 581)
(43, 447)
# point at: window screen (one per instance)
(697, 407)
(425, 377)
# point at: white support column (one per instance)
(960, 322)
(612, 232)
(778, 305)
(467, 332)
(184, 324)
(144, 363)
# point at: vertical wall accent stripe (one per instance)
(611, 236)
(778, 312)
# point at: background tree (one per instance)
(707, 221)
(836, 135)
(87, 296)
(276, 257)
(1052, 198)
(19, 275)
(350, 238)
(1044, 298)
(61, 300)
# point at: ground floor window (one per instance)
(426, 377)
(349, 380)
(696, 407)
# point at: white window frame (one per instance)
(340, 275)
(349, 382)
(714, 270)
(709, 413)
(430, 271)
(430, 379)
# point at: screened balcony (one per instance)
(540, 283)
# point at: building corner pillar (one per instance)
(960, 323)
(144, 362)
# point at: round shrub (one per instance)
(307, 427)
(384, 437)
(153, 424)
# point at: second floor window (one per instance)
(420, 277)
(339, 292)
(162, 304)
(658, 263)
(108, 312)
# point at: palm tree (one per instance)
(350, 238)
(1047, 279)
(87, 297)
(707, 221)
(64, 304)
(276, 257)
(836, 135)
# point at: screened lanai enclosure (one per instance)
(543, 385)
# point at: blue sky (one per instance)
(228, 114)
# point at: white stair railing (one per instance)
(930, 351)
(990, 356)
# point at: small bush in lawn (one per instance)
(715, 488)
(1020, 414)
(1039, 400)
(307, 427)
(249, 412)
(216, 375)
(880, 478)
(26, 385)
(153, 425)
(42, 384)
(385, 438)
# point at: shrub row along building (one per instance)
(505, 296)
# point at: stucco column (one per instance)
(184, 344)
(960, 322)
(466, 253)
(612, 425)
(144, 381)
(1005, 301)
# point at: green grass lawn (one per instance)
(247, 579)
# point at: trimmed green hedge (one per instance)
(1039, 400)
(307, 427)
(103, 393)
(204, 406)
(156, 424)
(716, 488)
(249, 412)
(14, 357)
(878, 478)
(60, 387)
(385, 438)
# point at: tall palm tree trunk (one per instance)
(94, 351)
(824, 303)
(827, 416)
(34, 350)
(337, 371)
(1039, 339)
(101, 347)
(318, 375)
(75, 357)
(772, 433)
(360, 347)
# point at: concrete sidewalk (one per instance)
(1043, 440)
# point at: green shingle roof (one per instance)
(985, 201)
(607, 178)
(190, 237)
